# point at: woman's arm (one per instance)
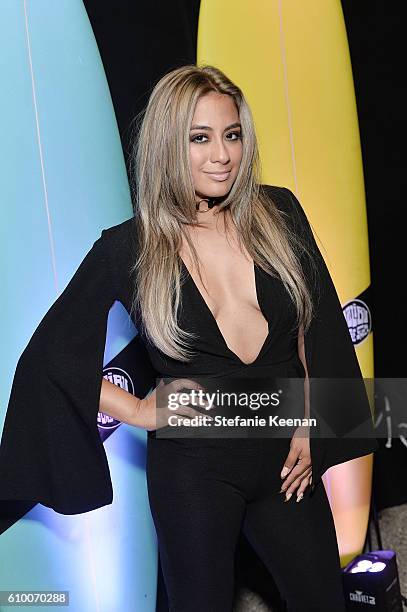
(301, 353)
(120, 404)
(144, 413)
(299, 475)
(51, 450)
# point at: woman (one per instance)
(223, 279)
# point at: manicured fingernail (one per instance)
(288, 496)
(299, 498)
(284, 471)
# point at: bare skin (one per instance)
(299, 475)
(229, 277)
(227, 272)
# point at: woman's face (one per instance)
(215, 145)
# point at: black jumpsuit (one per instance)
(202, 492)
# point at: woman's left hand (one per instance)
(297, 469)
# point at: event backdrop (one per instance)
(64, 177)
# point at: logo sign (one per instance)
(121, 378)
(362, 597)
(359, 320)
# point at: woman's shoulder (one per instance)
(119, 245)
(287, 202)
(282, 196)
(121, 231)
(122, 236)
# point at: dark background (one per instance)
(376, 41)
(377, 46)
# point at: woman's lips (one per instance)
(219, 176)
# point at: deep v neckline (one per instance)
(212, 318)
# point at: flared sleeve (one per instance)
(50, 450)
(338, 396)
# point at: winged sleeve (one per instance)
(50, 450)
(338, 397)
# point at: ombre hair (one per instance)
(164, 203)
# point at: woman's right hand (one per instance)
(154, 412)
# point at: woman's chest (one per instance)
(224, 286)
(224, 275)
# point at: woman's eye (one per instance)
(198, 137)
(195, 138)
(237, 134)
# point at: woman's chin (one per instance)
(214, 189)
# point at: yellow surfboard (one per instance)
(291, 59)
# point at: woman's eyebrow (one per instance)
(207, 127)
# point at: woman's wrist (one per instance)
(122, 405)
(144, 414)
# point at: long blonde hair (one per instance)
(164, 200)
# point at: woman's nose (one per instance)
(219, 151)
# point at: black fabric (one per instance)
(51, 450)
(330, 355)
(203, 495)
